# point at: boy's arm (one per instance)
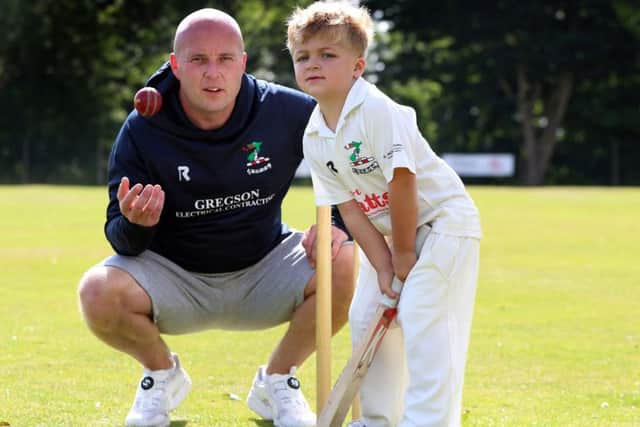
(372, 243)
(404, 220)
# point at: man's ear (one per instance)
(173, 61)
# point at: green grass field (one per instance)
(555, 339)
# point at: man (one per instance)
(194, 218)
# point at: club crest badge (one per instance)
(256, 164)
(360, 165)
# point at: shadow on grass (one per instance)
(256, 421)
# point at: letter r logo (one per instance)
(183, 173)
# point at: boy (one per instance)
(367, 156)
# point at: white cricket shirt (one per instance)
(375, 135)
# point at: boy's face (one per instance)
(326, 68)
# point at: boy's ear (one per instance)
(359, 67)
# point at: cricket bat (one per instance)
(348, 383)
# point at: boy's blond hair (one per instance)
(338, 20)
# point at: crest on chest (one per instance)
(361, 163)
(256, 164)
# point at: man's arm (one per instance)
(338, 222)
(133, 211)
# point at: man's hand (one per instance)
(338, 237)
(140, 205)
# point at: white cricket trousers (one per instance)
(434, 314)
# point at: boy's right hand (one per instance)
(140, 205)
(385, 279)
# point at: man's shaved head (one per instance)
(209, 60)
(207, 16)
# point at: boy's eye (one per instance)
(328, 55)
(301, 58)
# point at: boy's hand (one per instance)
(140, 205)
(403, 262)
(385, 278)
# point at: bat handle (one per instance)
(387, 301)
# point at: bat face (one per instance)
(348, 383)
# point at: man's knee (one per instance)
(94, 296)
(102, 295)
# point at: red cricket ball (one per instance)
(147, 101)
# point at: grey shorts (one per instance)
(258, 297)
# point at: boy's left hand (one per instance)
(385, 281)
(403, 262)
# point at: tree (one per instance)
(64, 65)
(69, 69)
(508, 71)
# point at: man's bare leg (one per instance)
(118, 311)
(298, 343)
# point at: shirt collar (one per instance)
(355, 97)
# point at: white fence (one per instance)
(469, 165)
(482, 165)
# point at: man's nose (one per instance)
(212, 69)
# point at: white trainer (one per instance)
(159, 393)
(357, 423)
(279, 398)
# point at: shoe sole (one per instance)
(257, 405)
(182, 393)
(174, 401)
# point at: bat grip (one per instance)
(387, 301)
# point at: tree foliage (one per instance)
(554, 81)
(69, 69)
(515, 76)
